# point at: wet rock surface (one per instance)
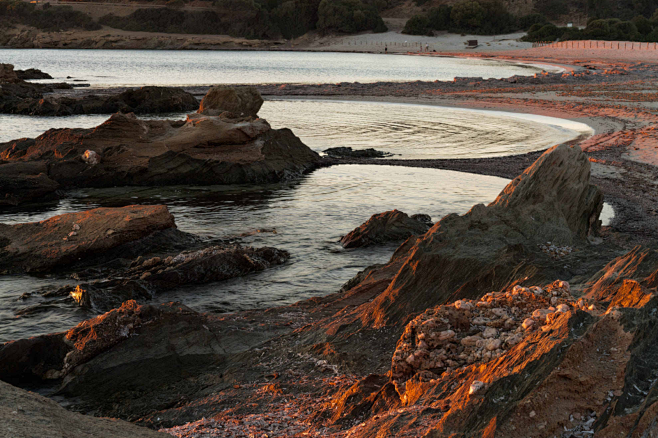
(32, 73)
(149, 277)
(389, 226)
(127, 151)
(348, 152)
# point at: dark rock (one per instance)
(24, 182)
(243, 101)
(156, 275)
(7, 74)
(65, 239)
(127, 151)
(26, 414)
(389, 226)
(32, 73)
(348, 152)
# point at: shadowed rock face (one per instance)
(65, 239)
(127, 151)
(24, 414)
(385, 227)
(244, 101)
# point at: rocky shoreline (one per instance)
(520, 318)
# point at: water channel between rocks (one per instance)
(310, 214)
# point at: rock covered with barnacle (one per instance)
(467, 332)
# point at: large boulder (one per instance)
(65, 239)
(124, 150)
(389, 226)
(32, 73)
(150, 100)
(24, 182)
(244, 101)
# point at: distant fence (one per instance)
(591, 44)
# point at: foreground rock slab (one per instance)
(24, 414)
(65, 239)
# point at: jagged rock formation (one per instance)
(244, 101)
(65, 239)
(127, 151)
(389, 226)
(26, 414)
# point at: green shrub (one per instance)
(50, 19)
(643, 24)
(528, 21)
(348, 16)
(467, 15)
(439, 18)
(416, 25)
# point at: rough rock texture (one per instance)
(244, 101)
(389, 226)
(63, 240)
(127, 151)
(24, 182)
(144, 353)
(24, 414)
(149, 277)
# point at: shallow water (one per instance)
(111, 68)
(309, 216)
(408, 131)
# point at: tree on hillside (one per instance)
(467, 14)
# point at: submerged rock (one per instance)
(155, 275)
(128, 151)
(348, 152)
(243, 101)
(389, 226)
(65, 239)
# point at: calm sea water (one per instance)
(309, 215)
(408, 131)
(107, 68)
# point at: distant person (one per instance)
(385, 49)
(427, 47)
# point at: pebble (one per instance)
(472, 332)
(476, 387)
